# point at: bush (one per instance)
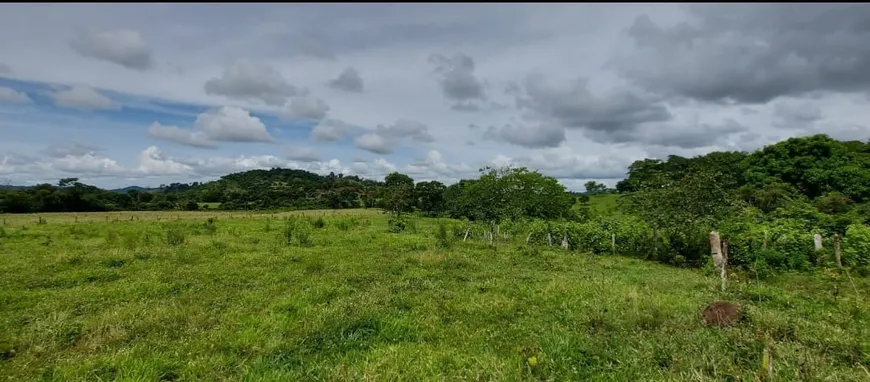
(318, 223)
(210, 227)
(191, 206)
(856, 245)
(174, 237)
(298, 232)
(396, 225)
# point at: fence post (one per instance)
(764, 243)
(837, 250)
(549, 240)
(817, 239)
(613, 243)
(718, 259)
(565, 244)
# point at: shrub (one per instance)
(209, 226)
(297, 231)
(191, 206)
(396, 225)
(174, 237)
(442, 239)
(318, 223)
(856, 245)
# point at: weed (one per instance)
(442, 239)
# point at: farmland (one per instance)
(226, 296)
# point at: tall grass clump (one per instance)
(297, 232)
(174, 236)
(442, 238)
(209, 226)
(318, 223)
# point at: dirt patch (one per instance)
(721, 313)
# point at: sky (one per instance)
(149, 94)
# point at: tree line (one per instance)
(819, 173)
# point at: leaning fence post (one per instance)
(837, 250)
(718, 259)
(549, 240)
(528, 237)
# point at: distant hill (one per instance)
(131, 188)
(14, 187)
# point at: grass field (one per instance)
(167, 296)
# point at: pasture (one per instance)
(225, 296)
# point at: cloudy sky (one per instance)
(143, 94)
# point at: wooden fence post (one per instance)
(764, 243)
(817, 240)
(837, 250)
(718, 259)
(613, 243)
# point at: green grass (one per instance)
(605, 203)
(181, 299)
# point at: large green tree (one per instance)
(399, 193)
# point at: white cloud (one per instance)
(180, 135)
(305, 108)
(302, 154)
(226, 124)
(153, 162)
(247, 80)
(375, 143)
(83, 97)
(331, 130)
(120, 46)
(232, 124)
(13, 96)
(88, 164)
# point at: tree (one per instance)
(508, 193)
(66, 182)
(697, 199)
(593, 187)
(399, 193)
(430, 196)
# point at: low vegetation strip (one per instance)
(184, 296)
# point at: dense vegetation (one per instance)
(766, 203)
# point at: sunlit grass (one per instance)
(169, 295)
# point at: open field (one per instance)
(169, 296)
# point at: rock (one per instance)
(721, 313)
